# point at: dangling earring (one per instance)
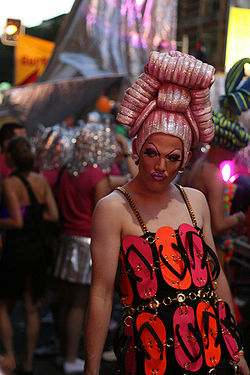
(181, 170)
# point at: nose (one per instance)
(161, 164)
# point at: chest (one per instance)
(152, 217)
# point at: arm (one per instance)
(105, 248)
(115, 181)
(223, 290)
(132, 167)
(102, 189)
(15, 219)
(215, 193)
(51, 211)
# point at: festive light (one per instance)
(227, 171)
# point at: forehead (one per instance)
(164, 142)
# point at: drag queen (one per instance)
(152, 239)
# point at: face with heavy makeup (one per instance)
(160, 159)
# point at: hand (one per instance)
(241, 227)
(122, 142)
(243, 366)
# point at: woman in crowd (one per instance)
(154, 238)
(23, 264)
(77, 196)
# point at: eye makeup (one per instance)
(152, 151)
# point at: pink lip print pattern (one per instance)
(139, 261)
(193, 245)
(188, 345)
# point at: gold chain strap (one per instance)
(138, 216)
(191, 212)
(133, 206)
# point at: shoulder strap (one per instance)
(33, 199)
(36, 211)
(190, 210)
(134, 208)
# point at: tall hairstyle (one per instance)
(21, 154)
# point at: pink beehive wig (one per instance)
(171, 97)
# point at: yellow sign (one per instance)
(238, 36)
(31, 57)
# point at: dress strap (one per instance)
(134, 208)
(190, 210)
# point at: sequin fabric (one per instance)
(172, 83)
(73, 259)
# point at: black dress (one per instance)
(23, 258)
(173, 321)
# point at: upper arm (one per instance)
(206, 217)
(102, 189)
(105, 247)
(215, 192)
(223, 289)
(200, 205)
(13, 204)
(51, 211)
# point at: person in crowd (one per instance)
(30, 203)
(153, 240)
(229, 138)
(76, 196)
(200, 52)
(124, 156)
(8, 131)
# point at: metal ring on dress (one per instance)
(125, 320)
(154, 304)
(212, 371)
(170, 342)
(165, 301)
(140, 308)
(192, 296)
(150, 239)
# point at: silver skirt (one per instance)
(73, 261)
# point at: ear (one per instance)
(135, 155)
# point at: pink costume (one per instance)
(4, 170)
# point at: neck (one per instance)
(22, 173)
(138, 188)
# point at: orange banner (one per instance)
(31, 57)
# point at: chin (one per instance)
(159, 187)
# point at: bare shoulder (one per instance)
(111, 204)
(38, 177)
(10, 182)
(197, 200)
(194, 195)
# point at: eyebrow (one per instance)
(175, 149)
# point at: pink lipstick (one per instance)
(158, 176)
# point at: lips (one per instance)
(158, 176)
